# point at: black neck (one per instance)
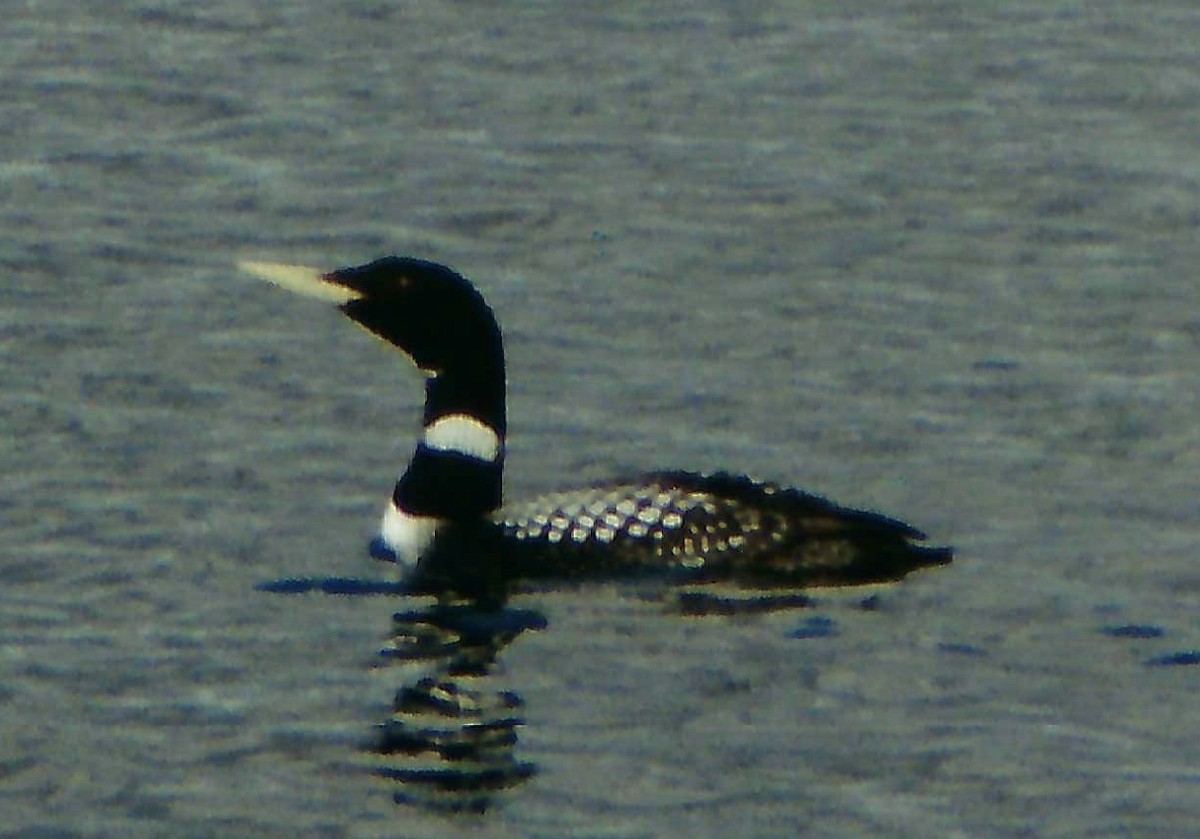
(468, 379)
(474, 386)
(449, 484)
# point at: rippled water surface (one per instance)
(935, 259)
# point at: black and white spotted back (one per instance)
(652, 519)
(707, 525)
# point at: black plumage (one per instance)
(447, 521)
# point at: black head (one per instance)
(425, 309)
(441, 322)
(434, 315)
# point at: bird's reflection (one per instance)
(450, 742)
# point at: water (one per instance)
(932, 259)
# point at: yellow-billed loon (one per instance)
(446, 526)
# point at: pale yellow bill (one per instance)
(300, 279)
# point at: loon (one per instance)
(446, 524)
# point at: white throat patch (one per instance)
(463, 434)
(407, 534)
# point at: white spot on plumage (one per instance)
(627, 507)
(636, 529)
(672, 520)
(649, 515)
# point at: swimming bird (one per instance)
(446, 524)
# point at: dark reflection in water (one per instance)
(450, 743)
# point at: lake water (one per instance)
(934, 259)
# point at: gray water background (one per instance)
(936, 259)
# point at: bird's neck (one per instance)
(475, 389)
(457, 470)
